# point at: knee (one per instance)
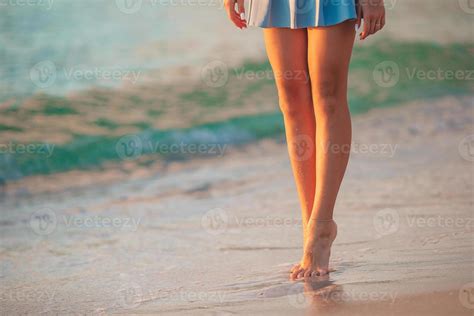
(328, 98)
(294, 98)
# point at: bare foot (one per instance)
(317, 250)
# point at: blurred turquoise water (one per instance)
(92, 34)
(85, 152)
(86, 35)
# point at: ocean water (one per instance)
(44, 43)
(92, 35)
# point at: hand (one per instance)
(237, 17)
(373, 13)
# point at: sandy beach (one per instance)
(218, 235)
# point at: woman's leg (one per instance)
(288, 54)
(329, 52)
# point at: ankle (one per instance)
(322, 228)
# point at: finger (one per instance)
(373, 26)
(233, 15)
(241, 22)
(359, 15)
(378, 26)
(366, 30)
(241, 9)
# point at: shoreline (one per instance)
(111, 172)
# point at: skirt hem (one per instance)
(302, 26)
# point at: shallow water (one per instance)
(75, 45)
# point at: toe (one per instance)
(301, 274)
(296, 266)
(294, 274)
(308, 273)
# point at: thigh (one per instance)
(287, 51)
(329, 54)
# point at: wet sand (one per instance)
(218, 235)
